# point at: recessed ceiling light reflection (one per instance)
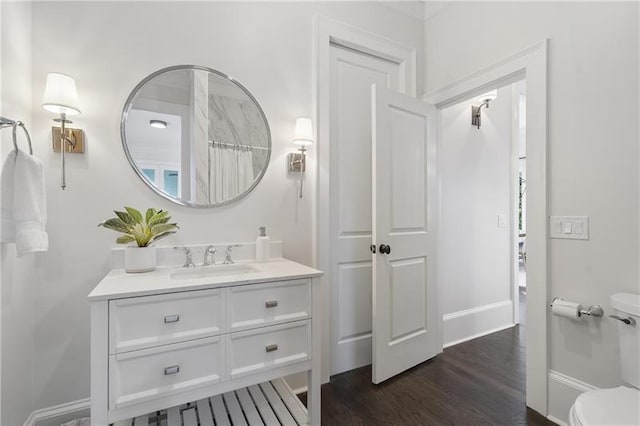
(158, 124)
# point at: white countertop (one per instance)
(118, 284)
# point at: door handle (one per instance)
(385, 249)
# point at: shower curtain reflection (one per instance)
(230, 171)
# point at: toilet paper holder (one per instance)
(592, 311)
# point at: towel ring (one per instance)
(15, 136)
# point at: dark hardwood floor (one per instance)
(479, 382)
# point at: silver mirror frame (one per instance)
(123, 121)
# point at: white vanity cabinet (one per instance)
(158, 343)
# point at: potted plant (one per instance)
(143, 230)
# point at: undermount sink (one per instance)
(211, 271)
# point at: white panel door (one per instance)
(406, 317)
(352, 74)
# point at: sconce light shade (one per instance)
(303, 133)
(61, 95)
(489, 96)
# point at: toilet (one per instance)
(616, 406)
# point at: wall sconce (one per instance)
(61, 97)
(484, 101)
(303, 138)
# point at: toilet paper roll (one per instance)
(566, 309)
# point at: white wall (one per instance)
(17, 275)
(475, 176)
(109, 48)
(592, 148)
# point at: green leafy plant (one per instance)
(143, 230)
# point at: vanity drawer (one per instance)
(276, 346)
(154, 373)
(144, 322)
(252, 306)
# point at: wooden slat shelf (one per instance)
(271, 403)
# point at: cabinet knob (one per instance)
(171, 318)
(385, 249)
(271, 304)
(271, 348)
(174, 369)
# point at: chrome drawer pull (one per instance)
(271, 303)
(171, 318)
(174, 369)
(271, 348)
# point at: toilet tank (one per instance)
(627, 305)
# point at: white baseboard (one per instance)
(556, 421)
(563, 391)
(458, 327)
(67, 410)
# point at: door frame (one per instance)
(529, 63)
(327, 32)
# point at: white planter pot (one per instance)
(139, 259)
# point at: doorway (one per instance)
(382, 203)
(351, 76)
(481, 225)
(367, 53)
(530, 62)
(350, 63)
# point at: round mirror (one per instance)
(195, 136)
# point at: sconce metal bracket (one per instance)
(475, 116)
(76, 136)
(296, 162)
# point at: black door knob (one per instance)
(385, 249)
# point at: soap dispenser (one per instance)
(262, 245)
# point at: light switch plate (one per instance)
(569, 227)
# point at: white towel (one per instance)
(8, 230)
(24, 205)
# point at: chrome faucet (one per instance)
(188, 263)
(209, 252)
(227, 259)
